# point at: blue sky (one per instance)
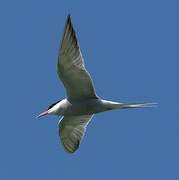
(131, 50)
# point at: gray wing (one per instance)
(71, 68)
(72, 130)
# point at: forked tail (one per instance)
(136, 105)
(109, 105)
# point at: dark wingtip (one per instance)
(69, 17)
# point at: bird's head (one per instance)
(52, 109)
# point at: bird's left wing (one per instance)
(72, 130)
(71, 69)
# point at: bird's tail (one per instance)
(136, 105)
(109, 105)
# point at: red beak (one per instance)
(42, 114)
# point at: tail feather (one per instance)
(137, 105)
(109, 105)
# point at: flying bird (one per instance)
(81, 102)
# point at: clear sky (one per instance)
(131, 50)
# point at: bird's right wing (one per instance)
(72, 130)
(71, 69)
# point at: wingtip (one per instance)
(69, 17)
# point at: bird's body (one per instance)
(81, 102)
(83, 107)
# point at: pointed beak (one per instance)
(42, 114)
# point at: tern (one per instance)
(81, 102)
